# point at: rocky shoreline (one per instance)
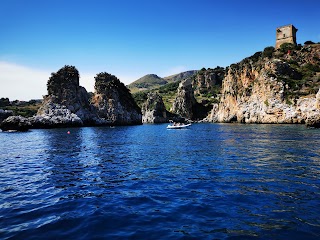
(269, 87)
(69, 105)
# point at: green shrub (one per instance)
(308, 42)
(268, 52)
(140, 97)
(285, 47)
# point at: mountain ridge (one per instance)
(152, 81)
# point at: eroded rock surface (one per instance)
(154, 110)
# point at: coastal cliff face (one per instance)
(279, 89)
(154, 110)
(206, 79)
(184, 102)
(196, 94)
(113, 101)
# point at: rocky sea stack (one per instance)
(69, 105)
(113, 101)
(154, 110)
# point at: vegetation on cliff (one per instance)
(152, 81)
(106, 83)
(114, 102)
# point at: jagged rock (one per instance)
(313, 120)
(184, 101)
(114, 102)
(15, 123)
(154, 110)
(206, 79)
(258, 90)
(4, 114)
(185, 104)
(52, 115)
(64, 90)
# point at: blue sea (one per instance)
(211, 181)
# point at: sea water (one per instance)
(211, 181)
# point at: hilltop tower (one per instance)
(286, 34)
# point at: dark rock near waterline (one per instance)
(114, 102)
(185, 100)
(313, 121)
(154, 110)
(15, 123)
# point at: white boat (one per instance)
(178, 126)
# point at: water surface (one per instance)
(212, 181)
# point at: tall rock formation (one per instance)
(280, 89)
(184, 102)
(114, 102)
(67, 103)
(154, 110)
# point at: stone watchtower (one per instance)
(286, 34)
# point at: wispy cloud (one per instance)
(25, 83)
(21, 82)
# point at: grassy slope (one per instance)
(147, 82)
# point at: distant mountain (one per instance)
(151, 81)
(148, 81)
(180, 76)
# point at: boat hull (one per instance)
(178, 126)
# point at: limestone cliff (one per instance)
(196, 94)
(154, 110)
(113, 101)
(206, 80)
(184, 102)
(277, 89)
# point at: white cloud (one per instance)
(21, 82)
(87, 81)
(26, 83)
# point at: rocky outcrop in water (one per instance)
(280, 89)
(67, 102)
(52, 115)
(113, 101)
(15, 123)
(68, 105)
(154, 110)
(185, 105)
(184, 102)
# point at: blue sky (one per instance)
(132, 38)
